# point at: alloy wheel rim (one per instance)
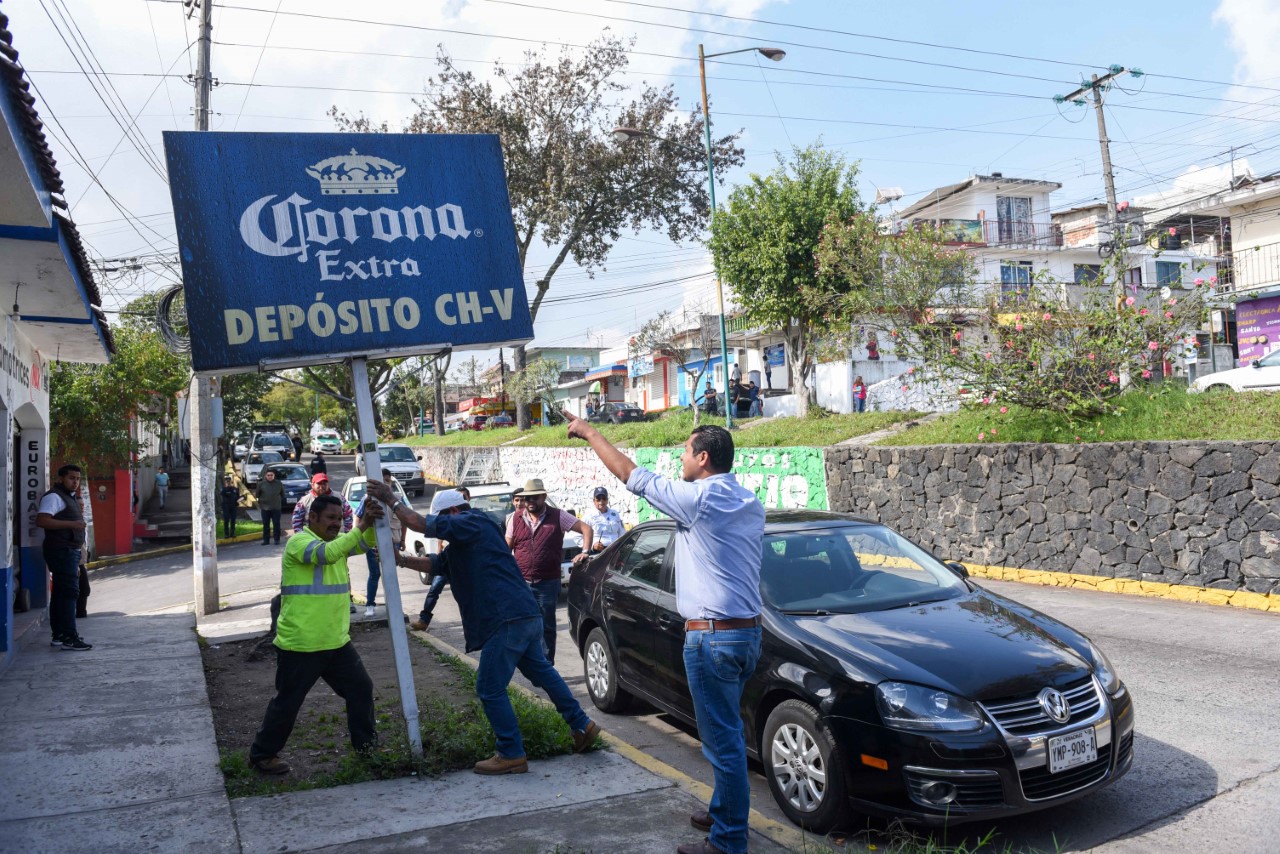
(597, 670)
(798, 768)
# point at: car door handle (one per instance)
(669, 621)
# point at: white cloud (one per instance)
(1254, 31)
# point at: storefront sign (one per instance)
(788, 478)
(775, 355)
(1257, 328)
(299, 247)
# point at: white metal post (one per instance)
(367, 436)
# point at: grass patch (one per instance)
(672, 428)
(1163, 414)
(454, 737)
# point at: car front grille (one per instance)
(1023, 715)
(1126, 750)
(1039, 785)
(976, 791)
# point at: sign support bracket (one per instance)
(368, 438)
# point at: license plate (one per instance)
(1068, 751)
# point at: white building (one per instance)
(1010, 228)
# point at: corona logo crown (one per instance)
(356, 175)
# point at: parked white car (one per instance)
(1262, 375)
(251, 467)
(354, 489)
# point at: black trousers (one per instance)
(229, 514)
(82, 598)
(270, 518)
(296, 673)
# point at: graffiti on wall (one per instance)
(570, 475)
(782, 478)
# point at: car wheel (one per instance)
(805, 767)
(601, 668)
(1220, 389)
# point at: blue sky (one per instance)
(910, 124)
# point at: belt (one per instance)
(721, 625)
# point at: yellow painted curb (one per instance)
(112, 560)
(776, 831)
(1153, 589)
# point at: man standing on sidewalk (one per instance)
(229, 498)
(270, 502)
(719, 537)
(313, 636)
(604, 520)
(499, 617)
(536, 536)
(63, 522)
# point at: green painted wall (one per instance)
(787, 478)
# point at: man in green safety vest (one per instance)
(313, 639)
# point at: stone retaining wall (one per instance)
(1194, 513)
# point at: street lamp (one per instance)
(624, 135)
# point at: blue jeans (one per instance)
(64, 569)
(433, 596)
(518, 643)
(718, 665)
(756, 409)
(547, 595)
(375, 572)
(859, 404)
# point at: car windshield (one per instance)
(396, 455)
(1271, 360)
(496, 507)
(265, 457)
(850, 570)
(271, 440)
(290, 472)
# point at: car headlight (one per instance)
(1106, 671)
(920, 709)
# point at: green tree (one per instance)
(535, 382)
(90, 406)
(684, 339)
(764, 241)
(571, 185)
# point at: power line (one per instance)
(258, 64)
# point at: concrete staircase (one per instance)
(173, 522)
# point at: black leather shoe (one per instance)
(701, 821)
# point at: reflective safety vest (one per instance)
(315, 589)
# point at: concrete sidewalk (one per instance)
(114, 750)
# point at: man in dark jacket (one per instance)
(63, 522)
(499, 617)
(270, 502)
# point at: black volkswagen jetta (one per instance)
(888, 682)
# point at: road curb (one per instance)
(775, 831)
(112, 560)
(1131, 586)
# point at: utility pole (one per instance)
(1097, 86)
(204, 524)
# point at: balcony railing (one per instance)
(1255, 267)
(978, 232)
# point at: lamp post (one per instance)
(624, 135)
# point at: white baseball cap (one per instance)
(446, 499)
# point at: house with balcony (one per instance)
(1010, 228)
(1249, 315)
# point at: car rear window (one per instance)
(496, 507)
(850, 570)
(396, 455)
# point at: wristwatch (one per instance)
(396, 505)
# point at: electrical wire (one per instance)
(258, 64)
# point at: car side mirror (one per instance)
(1255, 364)
(958, 568)
(419, 456)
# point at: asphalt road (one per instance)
(1204, 778)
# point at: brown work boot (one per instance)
(582, 741)
(499, 764)
(701, 821)
(703, 847)
(273, 765)
(419, 625)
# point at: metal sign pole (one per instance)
(367, 436)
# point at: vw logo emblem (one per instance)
(1055, 705)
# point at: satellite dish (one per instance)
(889, 194)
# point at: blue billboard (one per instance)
(302, 248)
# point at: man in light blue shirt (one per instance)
(718, 541)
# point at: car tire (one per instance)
(804, 766)
(1219, 388)
(600, 669)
